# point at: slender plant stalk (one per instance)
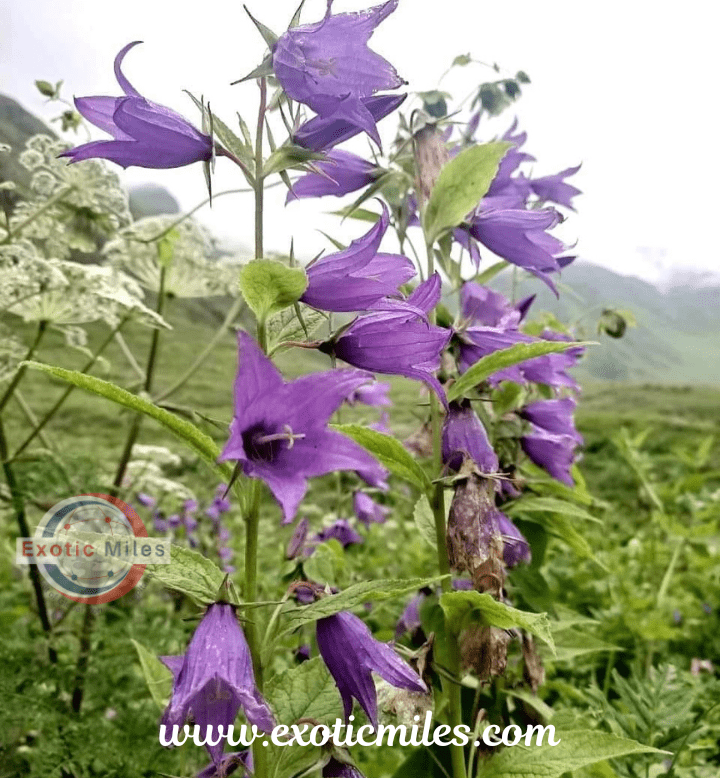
(83, 658)
(33, 419)
(30, 219)
(33, 572)
(39, 426)
(252, 519)
(20, 372)
(451, 688)
(147, 386)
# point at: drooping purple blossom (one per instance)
(375, 394)
(368, 511)
(296, 544)
(145, 500)
(464, 437)
(554, 416)
(515, 548)
(484, 307)
(409, 619)
(358, 277)
(352, 654)
(279, 430)
(341, 531)
(554, 453)
(337, 769)
(341, 174)
(328, 66)
(144, 133)
(382, 424)
(399, 342)
(214, 678)
(553, 189)
(324, 132)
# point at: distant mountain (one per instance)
(151, 200)
(677, 338)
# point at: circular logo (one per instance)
(89, 541)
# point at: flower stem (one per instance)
(7, 395)
(83, 658)
(38, 428)
(252, 518)
(34, 215)
(147, 387)
(452, 687)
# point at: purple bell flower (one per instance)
(554, 453)
(520, 237)
(484, 307)
(399, 342)
(515, 548)
(375, 394)
(214, 678)
(409, 620)
(351, 654)
(554, 416)
(340, 531)
(145, 134)
(464, 437)
(328, 66)
(324, 132)
(358, 277)
(368, 511)
(341, 174)
(145, 500)
(337, 769)
(297, 542)
(238, 763)
(279, 430)
(553, 189)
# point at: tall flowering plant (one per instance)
(495, 404)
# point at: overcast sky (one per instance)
(627, 88)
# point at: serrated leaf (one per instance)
(425, 521)
(462, 183)
(571, 643)
(307, 691)
(190, 573)
(563, 528)
(462, 608)
(188, 433)
(389, 452)
(158, 678)
(549, 505)
(506, 357)
(268, 286)
(357, 594)
(286, 326)
(576, 749)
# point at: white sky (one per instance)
(627, 88)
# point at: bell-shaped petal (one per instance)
(464, 437)
(554, 416)
(352, 654)
(368, 511)
(279, 431)
(358, 277)
(515, 548)
(553, 189)
(399, 342)
(214, 679)
(341, 174)
(328, 65)
(554, 453)
(145, 134)
(341, 531)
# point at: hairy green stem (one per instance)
(39, 426)
(252, 518)
(452, 689)
(33, 572)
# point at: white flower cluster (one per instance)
(146, 473)
(71, 207)
(185, 251)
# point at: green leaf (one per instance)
(425, 521)
(158, 677)
(307, 691)
(562, 527)
(195, 439)
(487, 275)
(268, 35)
(264, 69)
(190, 573)
(462, 60)
(357, 594)
(462, 608)
(268, 286)
(286, 325)
(577, 748)
(290, 156)
(549, 505)
(357, 213)
(506, 357)
(45, 88)
(571, 643)
(462, 183)
(389, 452)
